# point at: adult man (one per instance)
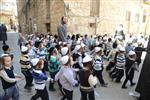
(143, 86)
(3, 35)
(62, 29)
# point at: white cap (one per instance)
(97, 49)
(121, 49)
(77, 47)
(82, 45)
(130, 41)
(35, 61)
(64, 43)
(64, 51)
(87, 59)
(60, 42)
(97, 43)
(79, 39)
(78, 42)
(64, 59)
(135, 45)
(3, 55)
(24, 48)
(131, 53)
(94, 36)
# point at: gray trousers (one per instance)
(11, 93)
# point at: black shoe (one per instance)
(104, 85)
(27, 87)
(31, 85)
(118, 81)
(133, 84)
(52, 90)
(124, 87)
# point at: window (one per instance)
(94, 8)
(137, 17)
(128, 14)
(144, 18)
(92, 25)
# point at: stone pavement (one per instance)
(112, 92)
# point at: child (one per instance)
(53, 66)
(26, 67)
(9, 79)
(87, 83)
(98, 66)
(120, 65)
(6, 50)
(130, 67)
(66, 78)
(111, 57)
(39, 78)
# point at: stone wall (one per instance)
(81, 19)
(57, 11)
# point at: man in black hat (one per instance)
(3, 34)
(143, 86)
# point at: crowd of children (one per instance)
(79, 61)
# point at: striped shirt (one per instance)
(39, 78)
(121, 60)
(25, 62)
(98, 62)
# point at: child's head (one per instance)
(58, 47)
(121, 50)
(6, 48)
(98, 50)
(24, 50)
(132, 55)
(6, 60)
(51, 50)
(87, 62)
(64, 51)
(114, 45)
(37, 63)
(109, 40)
(66, 60)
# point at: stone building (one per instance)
(85, 16)
(8, 13)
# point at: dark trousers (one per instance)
(45, 67)
(60, 88)
(4, 43)
(51, 84)
(110, 66)
(129, 77)
(67, 94)
(120, 73)
(28, 77)
(87, 95)
(99, 76)
(41, 93)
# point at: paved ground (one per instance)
(112, 92)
